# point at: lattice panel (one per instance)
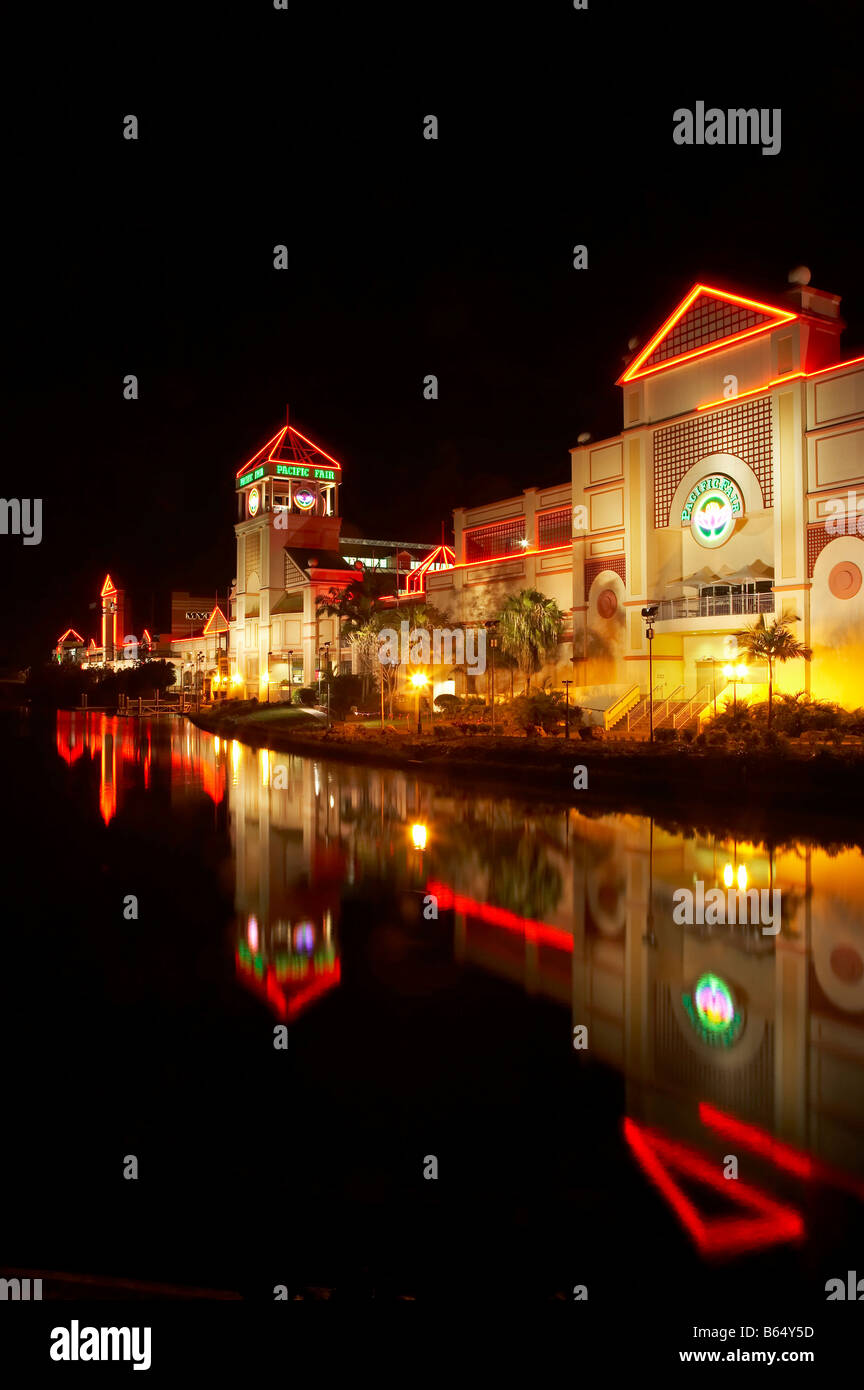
(616, 563)
(490, 542)
(744, 430)
(817, 539)
(706, 321)
(554, 528)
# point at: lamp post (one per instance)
(418, 680)
(735, 674)
(290, 676)
(566, 685)
(649, 614)
(492, 628)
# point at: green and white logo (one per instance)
(712, 509)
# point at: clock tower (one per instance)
(287, 532)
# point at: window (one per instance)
(553, 528)
(491, 542)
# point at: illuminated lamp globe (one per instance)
(632, 344)
(583, 438)
(800, 275)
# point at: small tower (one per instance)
(287, 520)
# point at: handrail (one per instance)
(612, 714)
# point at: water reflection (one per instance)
(725, 1035)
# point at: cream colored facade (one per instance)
(759, 399)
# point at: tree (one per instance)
(772, 642)
(530, 629)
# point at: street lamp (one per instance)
(418, 680)
(566, 685)
(735, 674)
(492, 628)
(649, 614)
(290, 676)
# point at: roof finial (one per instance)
(288, 416)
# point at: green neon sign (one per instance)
(288, 470)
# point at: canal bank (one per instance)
(767, 794)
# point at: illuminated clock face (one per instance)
(254, 501)
(304, 498)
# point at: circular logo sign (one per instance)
(713, 1012)
(712, 509)
(254, 501)
(304, 498)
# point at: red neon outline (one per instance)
(275, 444)
(514, 555)
(413, 584)
(779, 316)
(500, 917)
(109, 587)
(216, 610)
(712, 1235)
(73, 633)
(278, 436)
(782, 1155)
(315, 446)
(779, 381)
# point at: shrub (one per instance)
(305, 696)
(448, 704)
(665, 735)
(538, 711)
(345, 691)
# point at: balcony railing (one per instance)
(715, 606)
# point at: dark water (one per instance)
(272, 889)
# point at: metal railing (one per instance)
(715, 606)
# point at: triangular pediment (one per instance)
(706, 319)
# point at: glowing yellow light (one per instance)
(742, 877)
(418, 835)
(332, 802)
(236, 679)
(216, 743)
(728, 672)
(265, 767)
(741, 672)
(728, 875)
(419, 678)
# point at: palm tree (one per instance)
(773, 642)
(530, 629)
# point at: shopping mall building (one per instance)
(734, 488)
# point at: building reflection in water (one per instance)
(721, 1031)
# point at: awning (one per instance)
(756, 570)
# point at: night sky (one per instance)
(406, 256)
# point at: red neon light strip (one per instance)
(216, 610)
(315, 446)
(514, 555)
(70, 632)
(500, 917)
(712, 1235)
(779, 381)
(108, 587)
(793, 1160)
(272, 441)
(779, 316)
